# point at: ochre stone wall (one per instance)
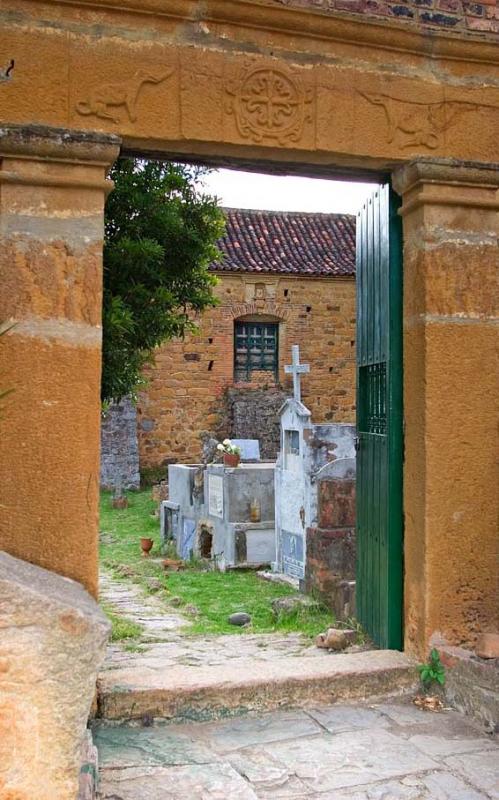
(52, 192)
(184, 396)
(451, 263)
(363, 94)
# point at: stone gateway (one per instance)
(375, 94)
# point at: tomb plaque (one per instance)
(216, 496)
(188, 539)
(250, 449)
(292, 554)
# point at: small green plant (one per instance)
(151, 475)
(123, 628)
(433, 671)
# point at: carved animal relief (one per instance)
(415, 124)
(103, 98)
(269, 104)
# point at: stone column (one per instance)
(52, 191)
(451, 259)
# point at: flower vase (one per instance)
(231, 459)
(146, 545)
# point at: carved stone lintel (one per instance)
(418, 124)
(103, 98)
(269, 103)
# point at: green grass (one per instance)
(123, 629)
(215, 595)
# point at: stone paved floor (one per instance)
(343, 752)
(174, 675)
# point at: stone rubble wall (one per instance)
(254, 414)
(119, 447)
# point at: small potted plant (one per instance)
(231, 453)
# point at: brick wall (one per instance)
(188, 380)
(448, 15)
(331, 553)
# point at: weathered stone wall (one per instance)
(331, 552)
(52, 192)
(119, 454)
(54, 638)
(254, 414)
(187, 382)
(449, 15)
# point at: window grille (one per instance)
(256, 348)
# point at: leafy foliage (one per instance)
(160, 238)
(433, 671)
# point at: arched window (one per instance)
(256, 347)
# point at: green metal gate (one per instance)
(379, 419)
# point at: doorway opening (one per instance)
(286, 279)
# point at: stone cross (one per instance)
(296, 369)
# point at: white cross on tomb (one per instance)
(296, 370)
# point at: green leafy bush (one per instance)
(160, 238)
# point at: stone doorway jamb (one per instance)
(451, 259)
(52, 191)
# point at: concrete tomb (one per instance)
(313, 462)
(221, 513)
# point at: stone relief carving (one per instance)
(125, 93)
(418, 124)
(269, 103)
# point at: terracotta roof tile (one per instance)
(289, 242)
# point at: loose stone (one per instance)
(239, 618)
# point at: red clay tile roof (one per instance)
(288, 242)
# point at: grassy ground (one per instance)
(214, 595)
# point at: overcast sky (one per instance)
(238, 189)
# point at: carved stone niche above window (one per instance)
(260, 291)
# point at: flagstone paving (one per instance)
(388, 751)
(171, 674)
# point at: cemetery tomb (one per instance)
(223, 514)
(304, 474)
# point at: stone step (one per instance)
(185, 692)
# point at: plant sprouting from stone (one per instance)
(433, 671)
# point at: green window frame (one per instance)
(256, 349)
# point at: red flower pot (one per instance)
(146, 545)
(232, 459)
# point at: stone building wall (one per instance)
(119, 447)
(188, 380)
